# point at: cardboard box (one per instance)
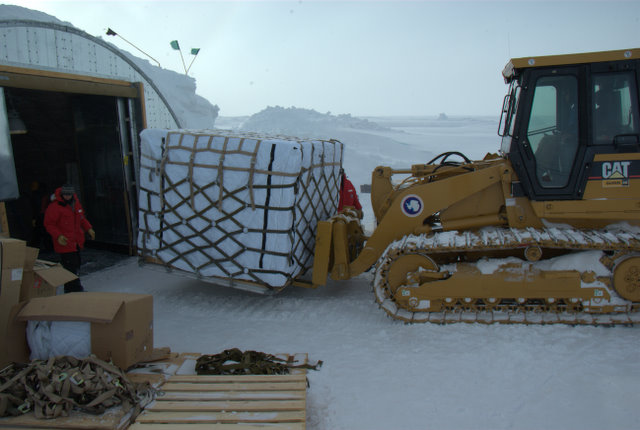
(30, 257)
(121, 324)
(12, 253)
(17, 347)
(43, 280)
(12, 258)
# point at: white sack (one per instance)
(235, 205)
(54, 338)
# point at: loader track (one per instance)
(531, 246)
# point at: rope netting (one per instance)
(240, 206)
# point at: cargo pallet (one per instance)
(193, 402)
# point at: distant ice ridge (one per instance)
(305, 122)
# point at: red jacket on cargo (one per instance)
(66, 218)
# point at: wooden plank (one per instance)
(154, 379)
(227, 405)
(233, 395)
(221, 417)
(238, 378)
(218, 426)
(256, 386)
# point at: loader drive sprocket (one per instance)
(441, 278)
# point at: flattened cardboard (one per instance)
(121, 324)
(43, 280)
(54, 275)
(86, 306)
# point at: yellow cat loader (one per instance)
(546, 231)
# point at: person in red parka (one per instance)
(64, 220)
(348, 196)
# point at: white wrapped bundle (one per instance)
(48, 339)
(222, 204)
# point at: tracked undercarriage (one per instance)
(507, 275)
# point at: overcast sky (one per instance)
(357, 57)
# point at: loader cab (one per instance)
(557, 118)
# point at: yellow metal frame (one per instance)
(558, 60)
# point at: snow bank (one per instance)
(193, 111)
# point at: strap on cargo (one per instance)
(221, 173)
(252, 170)
(192, 157)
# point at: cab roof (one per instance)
(516, 64)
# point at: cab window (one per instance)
(552, 132)
(614, 108)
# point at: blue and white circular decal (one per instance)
(412, 205)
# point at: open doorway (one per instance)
(71, 138)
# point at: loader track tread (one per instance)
(503, 239)
(455, 245)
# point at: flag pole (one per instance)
(110, 32)
(183, 65)
(195, 52)
(175, 45)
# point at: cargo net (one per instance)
(237, 206)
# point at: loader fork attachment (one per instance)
(338, 243)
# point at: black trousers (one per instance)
(71, 262)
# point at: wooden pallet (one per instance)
(192, 402)
(238, 402)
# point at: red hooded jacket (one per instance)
(67, 219)
(348, 195)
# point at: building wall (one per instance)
(59, 48)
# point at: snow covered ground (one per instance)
(382, 374)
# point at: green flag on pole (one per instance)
(175, 45)
(194, 52)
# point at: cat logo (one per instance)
(615, 173)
